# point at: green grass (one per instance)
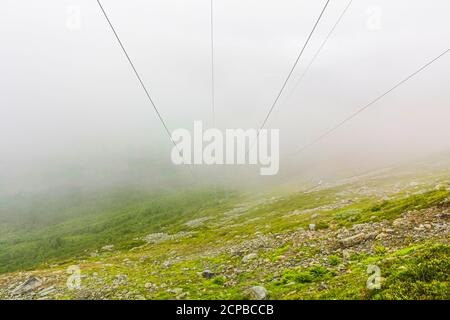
(120, 225)
(298, 276)
(418, 271)
(372, 211)
(422, 275)
(414, 273)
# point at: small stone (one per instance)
(230, 283)
(183, 295)
(207, 274)
(258, 293)
(353, 240)
(381, 236)
(312, 227)
(30, 284)
(323, 286)
(440, 186)
(292, 283)
(249, 257)
(175, 291)
(45, 292)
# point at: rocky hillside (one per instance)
(376, 236)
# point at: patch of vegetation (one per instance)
(334, 260)
(272, 229)
(424, 275)
(380, 250)
(369, 211)
(28, 247)
(299, 275)
(420, 271)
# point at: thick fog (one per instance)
(73, 113)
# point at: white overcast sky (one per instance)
(68, 95)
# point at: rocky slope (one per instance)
(370, 237)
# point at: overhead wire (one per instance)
(213, 107)
(322, 45)
(280, 92)
(137, 74)
(147, 93)
(360, 110)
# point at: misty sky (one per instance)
(68, 97)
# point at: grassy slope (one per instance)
(414, 270)
(116, 220)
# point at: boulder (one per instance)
(46, 291)
(108, 247)
(356, 239)
(207, 274)
(258, 293)
(249, 257)
(28, 285)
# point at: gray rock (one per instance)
(175, 291)
(356, 239)
(181, 296)
(121, 279)
(346, 253)
(323, 286)
(258, 293)
(46, 291)
(29, 285)
(249, 257)
(381, 236)
(207, 274)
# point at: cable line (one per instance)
(320, 48)
(137, 75)
(212, 68)
(293, 66)
(340, 124)
(287, 78)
